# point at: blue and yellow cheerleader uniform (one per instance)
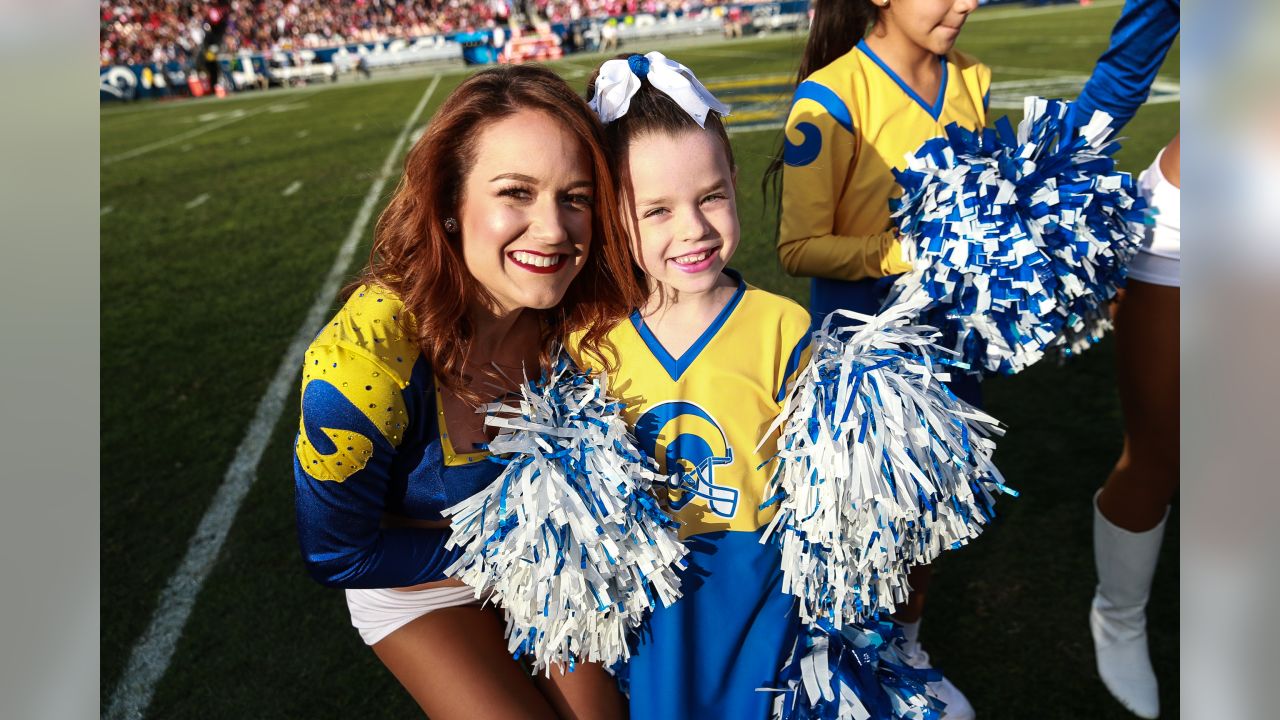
(851, 124)
(372, 440)
(704, 413)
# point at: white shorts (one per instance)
(378, 613)
(1158, 261)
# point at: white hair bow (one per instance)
(619, 80)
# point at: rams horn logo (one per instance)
(681, 435)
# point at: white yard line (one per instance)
(152, 653)
(179, 138)
(1006, 13)
(755, 128)
(197, 201)
(235, 116)
(294, 187)
(1015, 70)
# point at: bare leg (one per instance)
(454, 662)
(1146, 476)
(1131, 507)
(911, 610)
(587, 693)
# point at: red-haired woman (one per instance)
(502, 238)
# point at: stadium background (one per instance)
(220, 219)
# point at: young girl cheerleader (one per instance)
(502, 238)
(702, 367)
(876, 80)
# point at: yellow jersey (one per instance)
(851, 123)
(706, 411)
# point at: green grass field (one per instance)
(209, 266)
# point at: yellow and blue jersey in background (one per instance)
(704, 413)
(851, 124)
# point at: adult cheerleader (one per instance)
(1131, 508)
(502, 238)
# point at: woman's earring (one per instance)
(451, 225)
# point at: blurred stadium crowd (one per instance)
(163, 31)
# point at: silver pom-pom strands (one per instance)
(880, 466)
(1020, 240)
(860, 673)
(568, 540)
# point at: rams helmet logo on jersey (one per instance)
(680, 434)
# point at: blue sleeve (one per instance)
(796, 359)
(343, 463)
(1122, 79)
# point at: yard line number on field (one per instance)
(151, 655)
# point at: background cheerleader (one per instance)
(876, 80)
(1131, 508)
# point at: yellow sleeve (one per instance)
(984, 87)
(793, 330)
(819, 152)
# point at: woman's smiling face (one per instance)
(526, 211)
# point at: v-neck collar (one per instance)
(935, 110)
(676, 367)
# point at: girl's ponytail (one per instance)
(837, 26)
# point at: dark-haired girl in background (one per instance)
(877, 79)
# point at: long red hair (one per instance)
(415, 258)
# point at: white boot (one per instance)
(1126, 563)
(957, 705)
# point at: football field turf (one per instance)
(221, 220)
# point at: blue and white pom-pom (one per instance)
(860, 673)
(880, 467)
(568, 540)
(1021, 241)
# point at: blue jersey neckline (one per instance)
(676, 367)
(935, 110)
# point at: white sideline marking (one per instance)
(417, 134)
(755, 128)
(234, 117)
(211, 116)
(1015, 70)
(294, 187)
(106, 210)
(199, 200)
(150, 656)
(1006, 13)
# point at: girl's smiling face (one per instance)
(682, 209)
(526, 211)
